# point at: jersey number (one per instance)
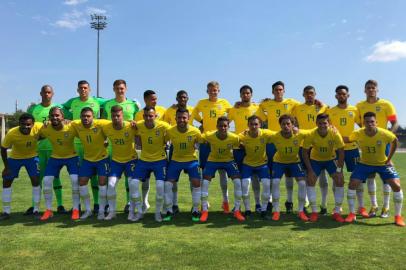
(343, 121)
(182, 146)
(150, 140)
(213, 114)
(89, 138)
(288, 150)
(371, 150)
(119, 141)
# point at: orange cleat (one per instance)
(47, 215)
(350, 218)
(75, 214)
(238, 215)
(363, 212)
(226, 208)
(314, 217)
(399, 221)
(204, 216)
(303, 216)
(276, 216)
(337, 217)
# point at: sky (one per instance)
(171, 45)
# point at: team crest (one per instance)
(378, 108)
(128, 107)
(229, 146)
(330, 142)
(379, 142)
(126, 134)
(351, 114)
(91, 104)
(219, 107)
(66, 134)
(157, 133)
(262, 140)
(295, 142)
(285, 106)
(95, 130)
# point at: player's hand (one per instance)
(237, 104)
(266, 99)
(66, 121)
(295, 130)
(334, 129)
(311, 177)
(6, 171)
(174, 106)
(388, 162)
(318, 103)
(201, 129)
(46, 123)
(133, 124)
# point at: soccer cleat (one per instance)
(226, 208)
(158, 217)
(195, 216)
(75, 214)
(247, 214)
(100, 216)
(258, 208)
(237, 214)
(29, 211)
(96, 208)
(61, 210)
(276, 216)
(204, 216)
(145, 207)
(337, 217)
(47, 215)
(175, 209)
(126, 208)
(350, 218)
(303, 216)
(138, 216)
(323, 211)
(399, 221)
(4, 216)
(314, 217)
(168, 216)
(264, 215)
(373, 211)
(86, 214)
(36, 215)
(106, 209)
(269, 207)
(363, 212)
(385, 213)
(131, 216)
(110, 216)
(289, 207)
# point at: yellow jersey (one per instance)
(306, 115)
(221, 150)
(170, 114)
(373, 148)
(159, 110)
(344, 121)
(384, 110)
(152, 140)
(270, 110)
(255, 148)
(92, 139)
(240, 116)
(122, 142)
(184, 143)
(323, 148)
(22, 146)
(287, 149)
(61, 140)
(209, 111)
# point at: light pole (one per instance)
(99, 23)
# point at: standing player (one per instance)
(95, 159)
(61, 138)
(319, 153)
(208, 111)
(385, 112)
(183, 138)
(41, 113)
(23, 143)
(372, 141)
(74, 106)
(130, 108)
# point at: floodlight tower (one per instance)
(98, 23)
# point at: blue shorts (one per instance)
(351, 158)
(270, 152)
(362, 171)
(293, 169)
(239, 155)
(144, 168)
(261, 171)
(117, 168)
(176, 167)
(330, 166)
(90, 168)
(30, 164)
(204, 151)
(230, 167)
(55, 165)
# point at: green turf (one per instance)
(221, 243)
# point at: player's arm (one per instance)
(394, 125)
(393, 147)
(4, 157)
(340, 162)
(311, 176)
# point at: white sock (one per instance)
(311, 194)
(266, 191)
(205, 194)
(323, 183)
(276, 194)
(36, 197)
(47, 190)
(289, 188)
(360, 195)
(84, 195)
(168, 196)
(75, 191)
(398, 199)
(256, 187)
(237, 193)
(351, 194)
(175, 193)
(372, 191)
(6, 198)
(102, 198)
(245, 186)
(301, 194)
(135, 196)
(196, 195)
(159, 196)
(111, 193)
(338, 198)
(145, 190)
(223, 184)
(386, 195)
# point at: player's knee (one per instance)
(47, 182)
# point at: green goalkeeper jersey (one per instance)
(130, 108)
(75, 106)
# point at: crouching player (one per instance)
(222, 142)
(123, 158)
(184, 139)
(322, 144)
(61, 137)
(372, 141)
(23, 143)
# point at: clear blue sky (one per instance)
(171, 45)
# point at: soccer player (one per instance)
(209, 110)
(74, 106)
(153, 158)
(319, 153)
(222, 142)
(130, 108)
(385, 112)
(23, 143)
(41, 112)
(254, 143)
(183, 138)
(286, 159)
(372, 141)
(123, 156)
(61, 139)
(95, 159)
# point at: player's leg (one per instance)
(194, 176)
(127, 195)
(256, 188)
(173, 172)
(102, 172)
(386, 194)
(145, 192)
(116, 170)
(209, 172)
(232, 170)
(338, 180)
(72, 165)
(246, 175)
(8, 177)
(32, 167)
(52, 169)
(371, 184)
(136, 176)
(323, 184)
(224, 190)
(86, 170)
(57, 183)
(278, 170)
(159, 169)
(311, 180)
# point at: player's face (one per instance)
(246, 95)
(342, 96)
(26, 126)
(47, 94)
(286, 125)
(86, 118)
(149, 116)
(120, 90)
(84, 90)
(253, 125)
(278, 92)
(322, 124)
(310, 96)
(117, 117)
(151, 101)
(56, 118)
(222, 126)
(371, 90)
(182, 119)
(370, 122)
(213, 91)
(182, 99)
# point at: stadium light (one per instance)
(98, 23)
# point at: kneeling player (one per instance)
(322, 144)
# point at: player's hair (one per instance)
(26, 116)
(118, 82)
(116, 108)
(213, 84)
(181, 92)
(223, 119)
(148, 108)
(254, 117)
(322, 116)
(45, 87)
(285, 117)
(308, 88)
(148, 93)
(277, 84)
(56, 108)
(83, 82)
(369, 114)
(372, 82)
(182, 110)
(244, 87)
(341, 86)
(86, 109)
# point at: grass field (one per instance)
(221, 243)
